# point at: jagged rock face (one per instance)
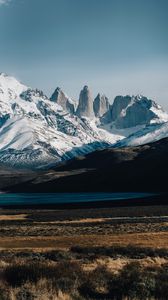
(100, 105)
(120, 103)
(29, 94)
(115, 110)
(129, 111)
(85, 106)
(61, 99)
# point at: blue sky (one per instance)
(114, 46)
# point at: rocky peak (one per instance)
(63, 100)
(132, 111)
(100, 105)
(85, 106)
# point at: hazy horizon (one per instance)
(115, 47)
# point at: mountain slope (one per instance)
(36, 132)
(149, 134)
(139, 169)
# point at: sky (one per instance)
(116, 47)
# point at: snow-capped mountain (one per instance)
(128, 111)
(37, 131)
(148, 134)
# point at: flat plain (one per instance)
(64, 228)
(97, 245)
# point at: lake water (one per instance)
(64, 198)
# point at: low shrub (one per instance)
(96, 284)
(16, 275)
(62, 275)
(136, 283)
(56, 255)
(132, 282)
(161, 289)
(115, 251)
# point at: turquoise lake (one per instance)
(64, 198)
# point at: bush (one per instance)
(4, 292)
(114, 251)
(58, 255)
(132, 282)
(136, 283)
(63, 276)
(96, 284)
(16, 275)
(161, 289)
(68, 277)
(24, 294)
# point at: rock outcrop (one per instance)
(100, 105)
(60, 98)
(127, 111)
(85, 106)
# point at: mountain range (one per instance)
(39, 132)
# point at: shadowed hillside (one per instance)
(141, 168)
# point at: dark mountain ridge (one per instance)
(136, 169)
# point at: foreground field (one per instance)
(108, 253)
(159, 240)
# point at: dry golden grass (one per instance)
(115, 265)
(27, 236)
(18, 217)
(41, 290)
(152, 239)
(111, 264)
(83, 221)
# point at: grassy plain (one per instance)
(84, 253)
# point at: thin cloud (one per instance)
(4, 2)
